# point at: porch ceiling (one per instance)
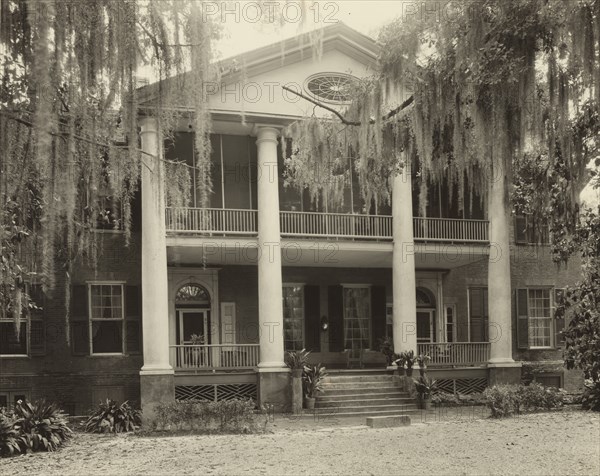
(188, 251)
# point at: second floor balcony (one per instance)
(322, 226)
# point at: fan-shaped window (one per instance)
(192, 293)
(425, 298)
(331, 87)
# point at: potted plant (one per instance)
(197, 340)
(424, 387)
(398, 359)
(296, 360)
(422, 361)
(386, 347)
(409, 361)
(312, 380)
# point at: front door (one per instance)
(193, 336)
(425, 326)
(193, 326)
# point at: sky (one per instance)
(242, 32)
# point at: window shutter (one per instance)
(133, 307)
(80, 339)
(336, 318)
(521, 229)
(378, 319)
(559, 322)
(522, 319)
(37, 331)
(312, 318)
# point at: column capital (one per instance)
(266, 133)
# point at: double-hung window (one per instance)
(107, 319)
(28, 338)
(536, 326)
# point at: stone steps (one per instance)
(363, 394)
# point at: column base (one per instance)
(155, 388)
(274, 388)
(504, 373)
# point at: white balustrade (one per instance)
(212, 356)
(456, 353)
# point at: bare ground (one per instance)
(566, 442)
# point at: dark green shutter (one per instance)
(312, 318)
(378, 319)
(522, 319)
(478, 314)
(80, 340)
(37, 331)
(336, 318)
(559, 322)
(133, 307)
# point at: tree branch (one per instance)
(345, 121)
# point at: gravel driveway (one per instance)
(566, 442)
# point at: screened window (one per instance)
(10, 342)
(107, 318)
(293, 317)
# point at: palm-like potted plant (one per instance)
(424, 387)
(296, 360)
(398, 359)
(312, 380)
(409, 361)
(422, 361)
(386, 347)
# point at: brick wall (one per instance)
(75, 380)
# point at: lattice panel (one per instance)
(445, 385)
(231, 391)
(465, 386)
(196, 392)
(216, 392)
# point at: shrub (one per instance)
(112, 417)
(457, 399)
(234, 415)
(505, 400)
(590, 400)
(9, 437)
(501, 399)
(41, 426)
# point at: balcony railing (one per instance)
(219, 221)
(335, 225)
(450, 229)
(225, 221)
(214, 356)
(456, 353)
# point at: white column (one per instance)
(270, 306)
(499, 287)
(155, 308)
(403, 264)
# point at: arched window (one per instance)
(425, 298)
(192, 294)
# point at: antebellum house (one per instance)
(204, 302)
